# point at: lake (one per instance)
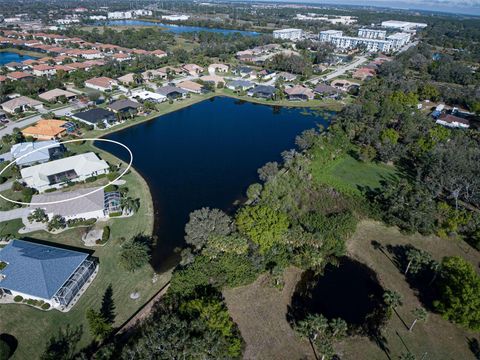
(6, 57)
(205, 155)
(176, 29)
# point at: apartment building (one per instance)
(372, 34)
(288, 34)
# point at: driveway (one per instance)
(13, 214)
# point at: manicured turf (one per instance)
(352, 176)
(33, 327)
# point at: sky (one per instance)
(470, 7)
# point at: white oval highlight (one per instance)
(76, 197)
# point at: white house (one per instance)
(102, 83)
(55, 174)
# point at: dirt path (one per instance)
(260, 311)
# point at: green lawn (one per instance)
(352, 176)
(33, 327)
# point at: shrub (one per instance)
(18, 298)
(81, 222)
(57, 222)
(111, 188)
(91, 179)
(112, 176)
(115, 214)
(105, 234)
(46, 306)
(135, 253)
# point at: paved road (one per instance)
(33, 119)
(341, 70)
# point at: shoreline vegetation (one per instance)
(143, 221)
(22, 52)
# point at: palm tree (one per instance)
(392, 299)
(420, 314)
(416, 259)
(407, 356)
(137, 78)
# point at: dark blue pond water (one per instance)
(177, 29)
(6, 57)
(205, 155)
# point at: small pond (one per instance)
(349, 291)
(6, 57)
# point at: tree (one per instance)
(262, 225)
(231, 244)
(417, 259)
(63, 346)
(204, 223)
(392, 299)
(254, 191)
(322, 333)
(420, 314)
(268, 171)
(135, 253)
(99, 326)
(38, 215)
(459, 292)
(108, 306)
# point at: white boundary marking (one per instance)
(76, 197)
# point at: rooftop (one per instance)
(45, 127)
(37, 270)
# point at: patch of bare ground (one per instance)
(260, 311)
(434, 339)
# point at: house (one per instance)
(220, 68)
(154, 74)
(326, 91)
(20, 104)
(65, 68)
(55, 174)
(193, 69)
(363, 73)
(299, 92)
(123, 106)
(46, 129)
(14, 65)
(172, 92)
(42, 272)
(19, 75)
(56, 95)
(190, 86)
(266, 74)
(159, 53)
(173, 70)
(262, 91)
(96, 117)
(452, 121)
(243, 71)
(127, 79)
(288, 77)
(214, 79)
(30, 153)
(240, 85)
(97, 205)
(120, 57)
(343, 85)
(43, 70)
(101, 83)
(144, 95)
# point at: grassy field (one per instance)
(352, 176)
(33, 327)
(437, 338)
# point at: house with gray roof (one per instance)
(262, 91)
(43, 272)
(172, 92)
(92, 203)
(240, 85)
(31, 153)
(123, 106)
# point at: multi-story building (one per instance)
(372, 34)
(399, 39)
(118, 15)
(372, 45)
(403, 25)
(326, 36)
(288, 34)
